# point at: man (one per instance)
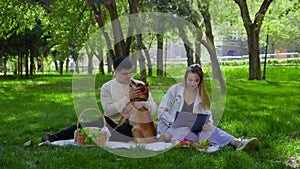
(114, 96)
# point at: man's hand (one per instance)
(129, 109)
(134, 93)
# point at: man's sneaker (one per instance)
(247, 144)
(48, 137)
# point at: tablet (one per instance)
(194, 121)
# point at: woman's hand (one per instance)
(206, 126)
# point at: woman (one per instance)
(191, 96)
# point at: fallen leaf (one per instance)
(27, 143)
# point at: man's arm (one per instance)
(110, 106)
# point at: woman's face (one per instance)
(123, 75)
(192, 80)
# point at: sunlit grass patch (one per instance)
(267, 109)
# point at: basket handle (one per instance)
(88, 109)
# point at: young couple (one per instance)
(188, 96)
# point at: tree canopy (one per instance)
(60, 29)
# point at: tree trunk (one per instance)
(143, 74)
(16, 67)
(77, 67)
(32, 65)
(148, 60)
(90, 63)
(101, 67)
(61, 67)
(99, 15)
(111, 53)
(90, 51)
(5, 66)
(42, 64)
(160, 44)
(1, 63)
(211, 47)
(134, 61)
(109, 65)
(197, 52)
(20, 64)
(253, 30)
(134, 10)
(101, 62)
(189, 54)
(187, 45)
(254, 59)
(67, 64)
(215, 64)
(119, 45)
(56, 66)
(26, 65)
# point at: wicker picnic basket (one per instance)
(80, 137)
(198, 146)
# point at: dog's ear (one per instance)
(132, 82)
(146, 84)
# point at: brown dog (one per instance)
(144, 130)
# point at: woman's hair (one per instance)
(196, 68)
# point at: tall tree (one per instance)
(122, 44)
(160, 46)
(69, 27)
(12, 16)
(120, 48)
(253, 29)
(133, 4)
(185, 9)
(282, 26)
(204, 6)
(14, 27)
(162, 7)
(95, 46)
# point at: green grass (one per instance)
(266, 109)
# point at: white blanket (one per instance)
(158, 146)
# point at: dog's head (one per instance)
(144, 90)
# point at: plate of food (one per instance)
(185, 143)
(204, 145)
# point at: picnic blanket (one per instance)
(157, 146)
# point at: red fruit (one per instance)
(186, 143)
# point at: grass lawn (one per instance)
(267, 109)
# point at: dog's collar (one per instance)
(138, 99)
